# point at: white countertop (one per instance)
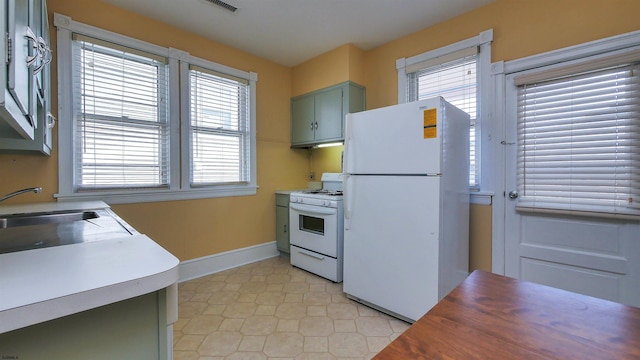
(51, 207)
(45, 284)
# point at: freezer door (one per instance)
(399, 139)
(391, 242)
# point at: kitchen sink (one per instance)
(45, 218)
(21, 232)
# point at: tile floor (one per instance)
(271, 310)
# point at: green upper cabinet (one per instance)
(25, 118)
(318, 117)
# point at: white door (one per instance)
(391, 247)
(595, 256)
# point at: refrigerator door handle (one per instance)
(347, 202)
(347, 141)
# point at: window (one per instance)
(457, 72)
(579, 137)
(147, 123)
(456, 81)
(121, 109)
(220, 132)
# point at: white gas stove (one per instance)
(317, 232)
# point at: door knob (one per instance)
(513, 194)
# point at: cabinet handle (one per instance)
(51, 121)
(34, 39)
(316, 125)
(43, 54)
(312, 126)
(285, 227)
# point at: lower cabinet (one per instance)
(282, 222)
(130, 329)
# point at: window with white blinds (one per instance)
(456, 82)
(140, 122)
(220, 128)
(121, 105)
(579, 141)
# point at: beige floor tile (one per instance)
(377, 343)
(252, 343)
(189, 342)
(266, 310)
(231, 325)
(344, 325)
(186, 355)
(202, 324)
(291, 311)
(317, 310)
(294, 298)
(296, 288)
(288, 325)
(259, 325)
(274, 287)
(223, 297)
(245, 355)
(317, 298)
(315, 356)
(271, 310)
(316, 344)
(215, 309)
(220, 343)
(240, 310)
(373, 326)
(316, 326)
(348, 345)
(342, 311)
(284, 345)
(270, 298)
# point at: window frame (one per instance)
(179, 144)
(482, 192)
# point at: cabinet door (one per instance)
(328, 115)
(19, 81)
(40, 139)
(282, 228)
(302, 120)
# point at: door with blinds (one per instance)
(573, 176)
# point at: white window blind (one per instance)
(456, 82)
(579, 142)
(120, 104)
(220, 128)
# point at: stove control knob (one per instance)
(327, 203)
(294, 199)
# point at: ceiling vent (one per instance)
(222, 4)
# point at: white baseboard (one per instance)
(207, 265)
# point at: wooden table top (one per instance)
(489, 316)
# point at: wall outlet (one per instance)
(312, 175)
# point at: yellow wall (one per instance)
(195, 228)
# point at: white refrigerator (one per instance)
(406, 205)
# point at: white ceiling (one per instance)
(290, 32)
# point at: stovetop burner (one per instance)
(324, 192)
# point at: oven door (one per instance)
(314, 228)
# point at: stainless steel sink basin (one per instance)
(33, 231)
(47, 218)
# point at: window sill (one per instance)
(481, 197)
(141, 196)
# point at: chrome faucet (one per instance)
(36, 190)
